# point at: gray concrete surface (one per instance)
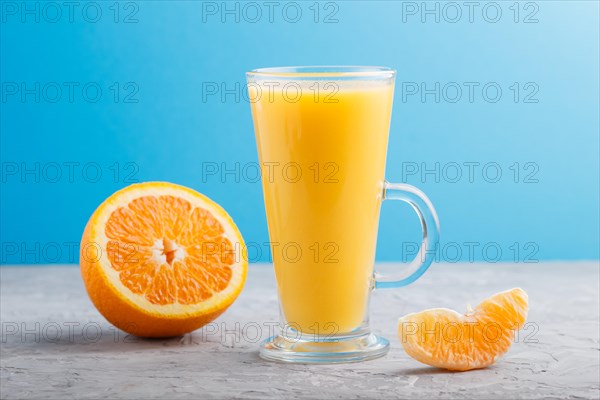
(56, 345)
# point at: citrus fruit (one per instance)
(160, 260)
(446, 339)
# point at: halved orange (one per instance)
(446, 339)
(159, 259)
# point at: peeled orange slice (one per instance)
(446, 339)
(159, 259)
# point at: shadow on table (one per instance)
(426, 371)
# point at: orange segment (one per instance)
(446, 339)
(171, 259)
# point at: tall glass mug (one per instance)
(322, 135)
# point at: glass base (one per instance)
(344, 349)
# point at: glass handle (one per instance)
(431, 234)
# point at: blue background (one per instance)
(175, 49)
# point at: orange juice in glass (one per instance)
(322, 136)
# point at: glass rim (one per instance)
(324, 71)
